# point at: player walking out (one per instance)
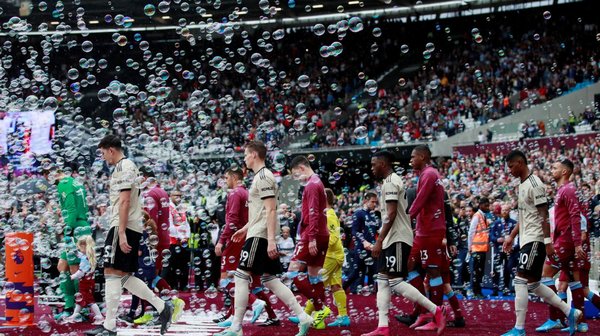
(393, 247)
(259, 254)
(536, 244)
(123, 240)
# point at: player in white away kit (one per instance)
(535, 241)
(393, 246)
(259, 255)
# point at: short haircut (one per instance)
(110, 141)
(484, 200)
(423, 149)
(299, 160)
(568, 163)
(386, 156)
(147, 171)
(586, 185)
(258, 147)
(330, 196)
(235, 171)
(516, 154)
(370, 194)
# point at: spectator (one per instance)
(285, 245)
(179, 230)
(502, 262)
(479, 244)
(364, 230)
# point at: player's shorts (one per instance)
(117, 259)
(302, 253)
(393, 260)
(531, 259)
(583, 266)
(332, 272)
(255, 258)
(430, 251)
(230, 257)
(564, 260)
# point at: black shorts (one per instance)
(115, 258)
(394, 260)
(531, 259)
(255, 259)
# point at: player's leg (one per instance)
(333, 279)
(554, 315)
(433, 258)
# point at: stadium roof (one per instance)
(99, 15)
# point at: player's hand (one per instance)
(583, 236)
(453, 250)
(123, 243)
(218, 249)
(507, 245)
(272, 249)
(239, 236)
(312, 248)
(550, 252)
(376, 249)
(580, 253)
(368, 246)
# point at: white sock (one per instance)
(521, 301)
(257, 303)
(412, 294)
(549, 297)
(96, 310)
(112, 296)
(384, 296)
(139, 288)
(242, 291)
(285, 295)
(76, 311)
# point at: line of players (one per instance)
(403, 257)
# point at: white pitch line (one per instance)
(188, 324)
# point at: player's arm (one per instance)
(575, 222)
(574, 217)
(271, 212)
(232, 220)
(391, 208)
(124, 204)
(508, 240)
(427, 183)
(314, 213)
(334, 233)
(543, 212)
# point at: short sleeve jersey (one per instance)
(263, 186)
(393, 190)
(124, 178)
(532, 193)
(335, 249)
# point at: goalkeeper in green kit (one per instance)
(74, 209)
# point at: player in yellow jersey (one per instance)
(332, 269)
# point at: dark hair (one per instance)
(235, 171)
(258, 147)
(423, 149)
(484, 200)
(110, 141)
(568, 163)
(516, 154)
(386, 156)
(330, 196)
(586, 185)
(370, 194)
(147, 171)
(300, 160)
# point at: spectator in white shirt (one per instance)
(285, 245)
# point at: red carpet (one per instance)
(483, 317)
